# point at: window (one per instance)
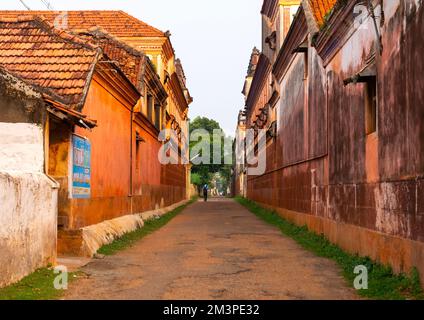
(138, 141)
(150, 107)
(158, 116)
(371, 106)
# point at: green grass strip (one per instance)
(383, 284)
(36, 286)
(128, 239)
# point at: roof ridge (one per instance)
(49, 27)
(91, 18)
(138, 20)
(99, 31)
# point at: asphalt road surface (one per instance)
(213, 250)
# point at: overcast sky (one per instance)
(213, 39)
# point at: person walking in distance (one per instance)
(205, 192)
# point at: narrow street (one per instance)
(213, 250)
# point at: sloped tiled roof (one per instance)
(320, 9)
(129, 60)
(53, 61)
(110, 21)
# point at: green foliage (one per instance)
(382, 282)
(129, 239)
(203, 173)
(196, 179)
(225, 174)
(36, 286)
(204, 123)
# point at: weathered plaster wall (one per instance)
(28, 198)
(292, 112)
(366, 194)
(110, 141)
(28, 203)
(110, 160)
(157, 196)
(19, 102)
(401, 125)
(21, 147)
(28, 227)
(153, 185)
(147, 168)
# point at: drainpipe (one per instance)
(131, 162)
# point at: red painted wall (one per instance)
(153, 185)
(362, 186)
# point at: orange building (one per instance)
(158, 48)
(105, 106)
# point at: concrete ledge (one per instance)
(86, 241)
(152, 214)
(400, 253)
(96, 236)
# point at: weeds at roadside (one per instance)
(128, 239)
(382, 282)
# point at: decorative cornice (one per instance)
(269, 8)
(153, 82)
(118, 83)
(262, 71)
(168, 49)
(178, 92)
(145, 123)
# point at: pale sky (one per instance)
(213, 39)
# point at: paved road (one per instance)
(213, 250)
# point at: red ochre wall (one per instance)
(365, 193)
(153, 185)
(110, 159)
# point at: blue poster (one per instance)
(81, 167)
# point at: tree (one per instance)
(202, 173)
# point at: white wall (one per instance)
(21, 147)
(28, 224)
(28, 203)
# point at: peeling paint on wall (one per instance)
(370, 181)
(28, 224)
(21, 147)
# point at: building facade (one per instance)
(347, 156)
(28, 197)
(157, 46)
(101, 105)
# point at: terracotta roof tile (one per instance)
(321, 8)
(54, 62)
(128, 59)
(111, 21)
